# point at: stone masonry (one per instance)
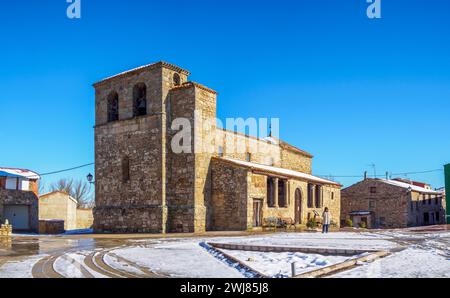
(391, 206)
(142, 185)
(23, 198)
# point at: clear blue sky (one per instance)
(350, 90)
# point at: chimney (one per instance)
(365, 175)
(387, 175)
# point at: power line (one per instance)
(329, 175)
(391, 174)
(67, 170)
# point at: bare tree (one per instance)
(79, 190)
(63, 184)
(82, 192)
(41, 189)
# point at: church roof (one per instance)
(145, 67)
(278, 171)
(407, 186)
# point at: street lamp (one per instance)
(90, 178)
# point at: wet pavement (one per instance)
(48, 249)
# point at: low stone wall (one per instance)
(51, 227)
(306, 250)
(5, 230)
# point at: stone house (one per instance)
(19, 198)
(234, 182)
(59, 205)
(385, 203)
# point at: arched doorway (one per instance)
(298, 206)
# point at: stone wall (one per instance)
(167, 191)
(237, 145)
(17, 197)
(295, 160)
(393, 205)
(59, 205)
(181, 166)
(229, 204)
(137, 204)
(419, 204)
(5, 230)
(231, 193)
(51, 227)
(85, 219)
(389, 203)
(190, 171)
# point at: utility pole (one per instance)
(447, 191)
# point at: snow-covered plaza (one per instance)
(412, 253)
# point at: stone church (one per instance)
(143, 186)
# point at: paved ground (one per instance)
(44, 256)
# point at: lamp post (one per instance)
(90, 178)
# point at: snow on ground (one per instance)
(278, 265)
(410, 263)
(19, 269)
(71, 265)
(361, 241)
(118, 264)
(179, 259)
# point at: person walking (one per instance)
(326, 217)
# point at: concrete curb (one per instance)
(347, 265)
(309, 250)
(242, 264)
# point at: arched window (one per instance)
(113, 107)
(140, 100)
(176, 79)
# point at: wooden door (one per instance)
(257, 212)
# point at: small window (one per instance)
(373, 189)
(176, 80)
(248, 157)
(332, 195)
(372, 204)
(220, 151)
(113, 107)
(125, 169)
(140, 100)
